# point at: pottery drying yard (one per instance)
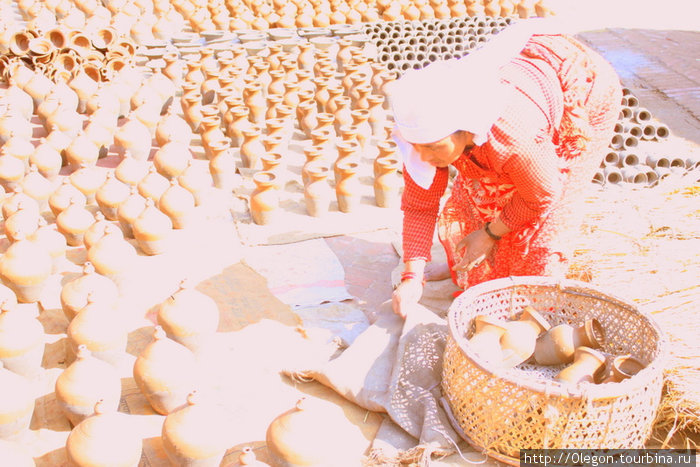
(139, 160)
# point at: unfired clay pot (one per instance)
(21, 341)
(75, 293)
(16, 405)
(106, 438)
(519, 340)
(558, 345)
(624, 367)
(86, 381)
(486, 339)
(189, 317)
(64, 195)
(587, 367)
(195, 434)
(113, 256)
(179, 205)
(73, 221)
(25, 268)
(264, 200)
(152, 230)
(99, 327)
(317, 192)
(164, 372)
(110, 195)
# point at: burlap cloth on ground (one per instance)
(395, 367)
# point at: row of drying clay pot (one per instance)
(506, 344)
(402, 46)
(628, 162)
(88, 391)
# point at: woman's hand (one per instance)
(406, 295)
(477, 246)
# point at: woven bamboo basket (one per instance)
(502, 411)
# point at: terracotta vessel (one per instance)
(88, 180)
(25, 269)
(317, 192)
(16, 406)
(558, 345)
(82, 151)
(264, 200)
(64, 195)
(21, 224)
(519, 340)
(106, 438)
(196, 180)
(152, 229)
(179, 205)
(72, 222)
(252, 148)
(622, 368)
(47, 160)
(11, 172)
(75, 293)
(387, 184)
(195, 434)
(173, 128)
(248, 458)
(171, 159)
(51, 240)
(96, 231)
(129, 210)
(135, 137)
(130, 170)
(292, 437)
(85, 382)
(222, 165)
(110, 195)
(587, 367)
(112, 256)
(99, 327)
(164, 373)
(13, 202)
(21, 341)
(486, 339)
(314, 155)
(348, 187)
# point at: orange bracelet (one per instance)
(407, 275)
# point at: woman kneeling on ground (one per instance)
(525, 121)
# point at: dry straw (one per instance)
(644, 244)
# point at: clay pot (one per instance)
(348, 187)
(152, 230)
(348, 151)
(153, 185)
(264, 200)
(100, 289)
(623, 367)
(85, 382)
(292, 437)
(22, 223)
(47, 160)
(88, 179)
(558, 345)
(11, 172)
(24, 268)
(173, 128)
(222, 165)
(106, 438)
(317, 193)
(135, 137)
(164, 373)
(387, 150)
(82, 151)
(255, 102)
(387, 185)
(21, 341)
(110, 195)
(179, 205)
(16, 406)
(239, 122)
(101, 329)
(247, 458)
(73, 221)
(130, 170)
(195, 434)
(20, 148)
(96, 231)
(129, 210)
(519, 340)
(196, 180)
(252, 148)
(16, 200)
(486, 339)
(112, 256)
(587, 366)
(52, 241)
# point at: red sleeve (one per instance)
(420, 210)
(527, 155)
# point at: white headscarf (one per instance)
(459, 94)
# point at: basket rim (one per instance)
(587, 391)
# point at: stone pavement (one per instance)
(661, 68)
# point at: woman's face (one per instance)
(447, 150)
